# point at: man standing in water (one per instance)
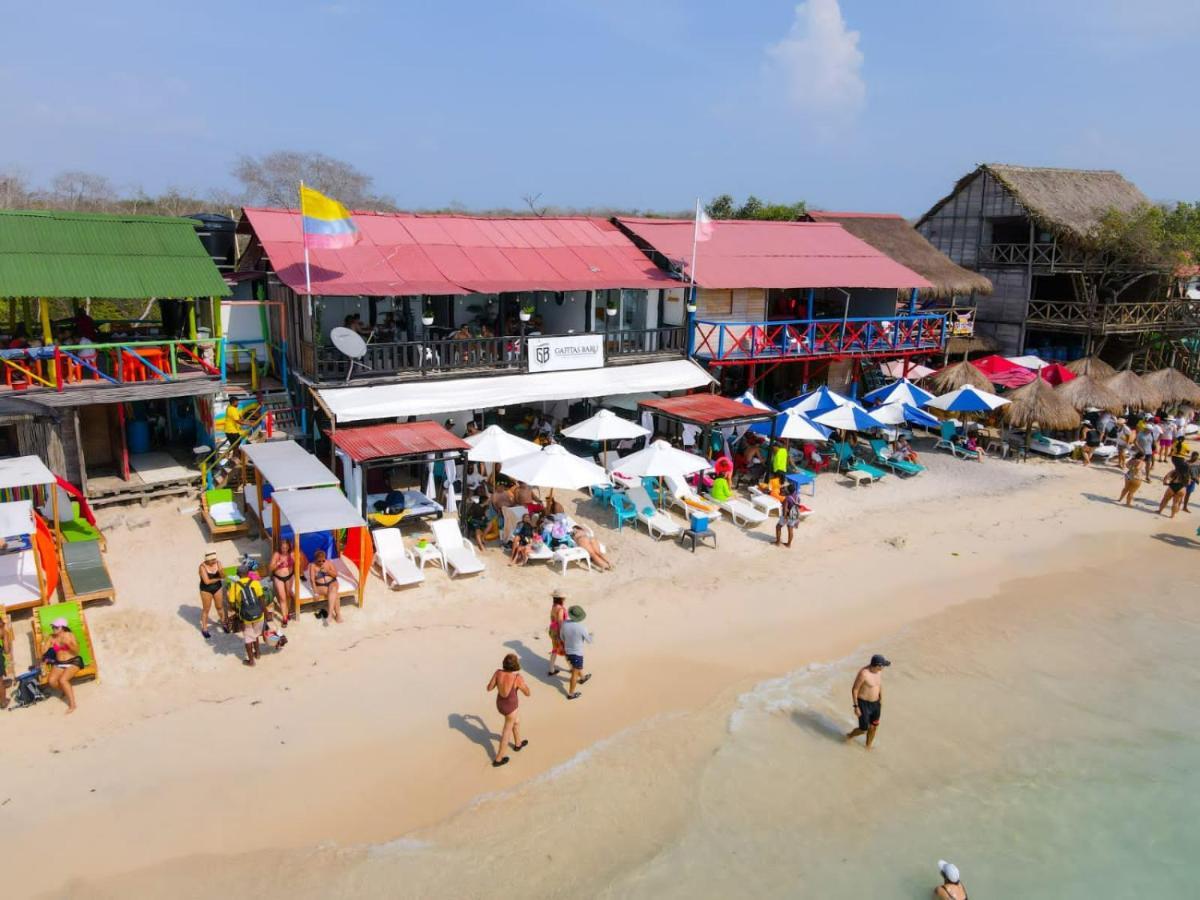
(867, 694)
(951, 887)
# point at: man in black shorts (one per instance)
(867, 695)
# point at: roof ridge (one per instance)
(1024, 168)
(87, 215)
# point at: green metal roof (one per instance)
(46, 253)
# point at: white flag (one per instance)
(704, 225)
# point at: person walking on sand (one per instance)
(212, 591)
(247, 599)
(574, 636)
(867, 694)
(1193, 470)
(558, 614)
(1133, 478)
(951, 887)
(789, 515)
(508, 684)
(1175, 482)
(1144, 441)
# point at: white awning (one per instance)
(320, 509)
(16, 518)
(286, 466)
(24, 471)
(424, 398)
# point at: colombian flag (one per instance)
(327, 224)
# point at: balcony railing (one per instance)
(439, 356)
(744, 342)
(1046, 255)
(1113, 318)
(60, 367)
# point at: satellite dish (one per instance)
(350, 343)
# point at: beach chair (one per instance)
(512, 516)
(458, 554)
(396, 564)
(885, 457)
(85, 577)
(946, 442)
(221, 514)
(43, 634)
(658, 524)
(72, 525)
(764, 501)
(743, 513)
(847, 459)
(623, 509)
(683, 495)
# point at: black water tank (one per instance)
(217, 235)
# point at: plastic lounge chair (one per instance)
(458, 556)
(683, 495)
(72, 611)
(658, 523)
(623, 509)
(946, 442)
(221, 513)
(846, 458)
(85, 577)
(395, 562)
(742, 512)
(884, 456)
(763, 501)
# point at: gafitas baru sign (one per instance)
(569, 351)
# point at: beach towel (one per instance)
(47, 555)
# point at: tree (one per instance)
(274, 180)
(15, 191)
(79, 190)
(723, 207)
(720, 207)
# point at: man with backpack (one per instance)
(250, 606)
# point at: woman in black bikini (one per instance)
(282, 569)
(508, 684)
(212, 589)
(322, 577)
(67, 662)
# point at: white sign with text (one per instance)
(568, 351)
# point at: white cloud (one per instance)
(818, 65)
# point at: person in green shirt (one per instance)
(720, 489)
(779, 458)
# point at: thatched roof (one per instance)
(1093, 366)
(893, 236)
(1134, 391)
(1174, 386)
(1066, 202)
(1037, 403)
(953, 377)
(1085, 392)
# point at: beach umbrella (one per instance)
(747, 398)
(495, 445)
(1028, 362)
(796, 426)
(815, 402)
(967, 399)
(898, 412)
(896, 369)
(958, 375)
(1092, 365)
(1039, 403)
(553, 466)
(902, 391)
(1057, 374)
(1133, 391)
(850, 417)
(1001, 371)
(605, 425)
(1174, 386)
(1084, 392)
(660, 459)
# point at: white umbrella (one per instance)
(495, 445)
(895, 369)
(1028, 362)
(605, 425)
(661, 459)
(797, 426)
(554, 467)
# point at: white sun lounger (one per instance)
(683, 495)
(742, 513)
(1048, 446)
(764, 501)
(657, 523)
(458, 556)
(396, 563)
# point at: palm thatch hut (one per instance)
(1038, 403)
(1174, 386)
(1093, 366)
(953, 377)
(1134, 391)
(1085, 392)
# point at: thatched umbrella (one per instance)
(959, 375)
(1038, 403)
(1174, 386)
(1084, 392)
(1134, 391)
(1092, 365)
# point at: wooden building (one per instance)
(1027, 230)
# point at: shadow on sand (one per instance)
(1176, 540)
(819, 724)
(535, 666)
(475, 730)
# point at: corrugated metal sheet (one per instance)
(404, 254)
(742, 254)
(394, 440)
(706, 409)
(63, 254)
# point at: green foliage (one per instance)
(723, 207)
(1150, 237)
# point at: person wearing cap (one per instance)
(574, 635)
(867, 695)
(1124, 439)
(951, 887)
(65, 661)
(1144, 440)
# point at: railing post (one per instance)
(120, 366)
(174, 362)
(224, 353)
(58, 372)
(721, 341)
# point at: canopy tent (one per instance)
(285, 466)
(705, 412)
(850, 417)
(957, 375)
(28, 574)
(323, 509)
(429, 397)
(902, 391)
(967, 399)
(554, 467)
(816, 402)
(24, 471)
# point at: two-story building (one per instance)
(1027, 229)
(781, 303)
(551, 310)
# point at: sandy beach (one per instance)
(180, 758)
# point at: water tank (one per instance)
(139, 436)
(216, 233)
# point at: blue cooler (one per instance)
(699, 523)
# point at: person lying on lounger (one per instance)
(582, 539)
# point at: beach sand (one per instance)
(181, 762)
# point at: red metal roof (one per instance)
(706, 409)
(746, 254)
(393, 440)
(402, 254)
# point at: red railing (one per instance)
(736, 342)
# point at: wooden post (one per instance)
(54, 509)
(48, 335)
(12, 314)
(295, 572)
(362, 575)
(191, 322)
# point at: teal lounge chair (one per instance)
(946, 442)
(623, 509)
(903, 466)
(847, 459)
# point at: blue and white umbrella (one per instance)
(748, 399)
(816, 402)
(967, 399)
(902, 391)
(850, 417)
(898, 413)
(796, 426)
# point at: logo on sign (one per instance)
(564, 352)
(542, 355)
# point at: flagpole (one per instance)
(307, 270)
(691, 295)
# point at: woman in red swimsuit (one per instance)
(507, 682)
(558, 612)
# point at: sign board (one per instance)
(568, 351)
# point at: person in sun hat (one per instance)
(574, 635)
(867, 695)
(951, 887)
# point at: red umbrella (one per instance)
(1000, 371)
(1056, 374)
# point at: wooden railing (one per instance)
(1038, 255)
(1114, 318)
(728, 343)
(59, 366)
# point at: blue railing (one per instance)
(739, 342)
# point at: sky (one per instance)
(873, 105)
